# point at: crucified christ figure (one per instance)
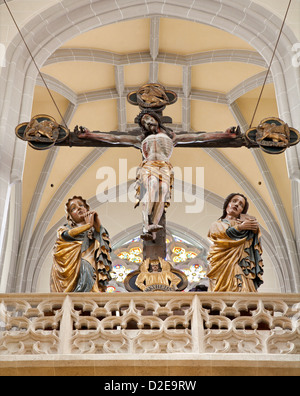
(155, 174)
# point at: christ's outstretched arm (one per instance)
(84, 133)
(230, 133)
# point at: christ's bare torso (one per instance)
(157, 147)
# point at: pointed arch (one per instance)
(244, 19)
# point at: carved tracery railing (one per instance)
(155, 323)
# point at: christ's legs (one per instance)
(159, 206)
(153, 206)
(149, 199)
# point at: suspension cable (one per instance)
(32, 57)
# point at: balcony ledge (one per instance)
(141, 334)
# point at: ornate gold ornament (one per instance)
(273, 135)
(160, 279)
(152, 96)
(42, 132)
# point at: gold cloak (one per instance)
(74, 257)
(235, 258)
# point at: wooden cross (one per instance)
(156, 142)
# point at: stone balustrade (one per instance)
(150, 325)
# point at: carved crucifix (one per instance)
(156, 142)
